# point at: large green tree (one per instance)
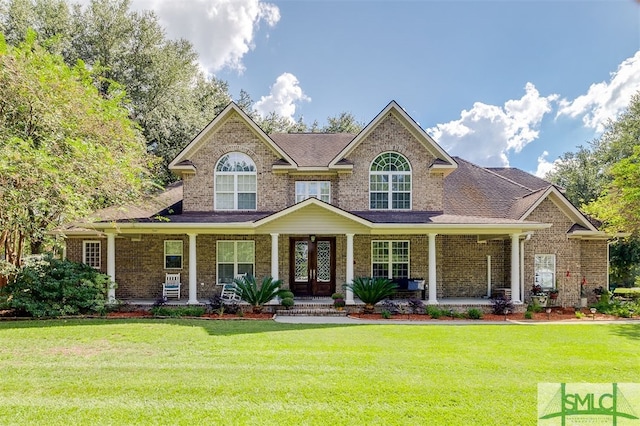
(604, 180)
(65, 148)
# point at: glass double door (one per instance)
(312, 266)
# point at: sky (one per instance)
(499, 83)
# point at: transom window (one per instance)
(390, 182)
(235, 184)
(235, 258)
(545, 270)
(318, 189)
(390, 259)
(173, 254)
(91, 253)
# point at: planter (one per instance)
(553, 296)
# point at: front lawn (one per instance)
(259, 372)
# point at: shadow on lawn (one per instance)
(212, 327)
(630, 331)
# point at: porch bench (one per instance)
(409, 288)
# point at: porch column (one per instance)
(193, 271)
(111, 266)
(522, 266)
(274, 257)
(349, 272)
(433, 293)
(515, 268)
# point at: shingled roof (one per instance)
(472, 190)
(312, 149)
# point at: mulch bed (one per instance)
(146, 314)
(557, 314)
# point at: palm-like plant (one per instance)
(372, 290)
(256, 295)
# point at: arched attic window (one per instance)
(390, 182)
(235, 182)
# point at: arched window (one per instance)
(235, 182)
(390, 182)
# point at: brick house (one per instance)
(316, 210)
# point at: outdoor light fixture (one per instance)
(451, 313)
(506, 312)
(548, 313)
(593, 313)
(312, 238)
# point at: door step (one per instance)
(311, 312)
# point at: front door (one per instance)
(312, 266)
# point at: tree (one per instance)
(619, 149)
(580, 174)
(344, 122)
(64, 148)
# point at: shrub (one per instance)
(528, 315)
(416, 306)
(386, 314)
(256, 295)
(284, 294)
(335, 296)
(500, 304)
(287, 302)
(48, 287)
(339, 303)
(474, 313)
(391, 307)
(372, 290)
(178, 311)
(434, 312)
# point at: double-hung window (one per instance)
(235, 182)
(317, 189)
(235, 258)
(173, 253)
(390, 259)
(545, 270)
(91, 254)
(390, 182)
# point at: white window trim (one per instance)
(164, 258)
(390, 262)
(84, 252)
(305, 195)
(235, 192)
(555, 272)
(390, 191)
(235, 256)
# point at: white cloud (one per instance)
(545, 166)
(222, 31)
(486, 133)
(605, 101)
(285, 92)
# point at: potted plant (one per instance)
(538, 296)
(553, 294)
(339, 304)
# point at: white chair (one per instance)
(230, 291)
(171, 286)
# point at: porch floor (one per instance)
(316, 301)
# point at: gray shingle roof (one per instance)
(312, 149)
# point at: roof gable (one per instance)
(182, 161)
(443, 162)
(552, 193)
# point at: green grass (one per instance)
(247, 372)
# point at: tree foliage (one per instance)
(64, 148)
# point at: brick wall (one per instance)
(391, 135)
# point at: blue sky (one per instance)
(496, 82)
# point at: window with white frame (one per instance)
(235, 182)
(318, 189)
(390, 182)
(173, 254)
(545, 270)
(91, 254)
(235, 258)
(390, 259)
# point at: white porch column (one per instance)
(432, 271)
(522, 266)
(515, 268)
(111, 266)
(193, 271)
(275, 273)
(349, 272)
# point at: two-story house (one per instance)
(316, 210)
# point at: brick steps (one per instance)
(315, 311)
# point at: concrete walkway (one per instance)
(355, 321)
